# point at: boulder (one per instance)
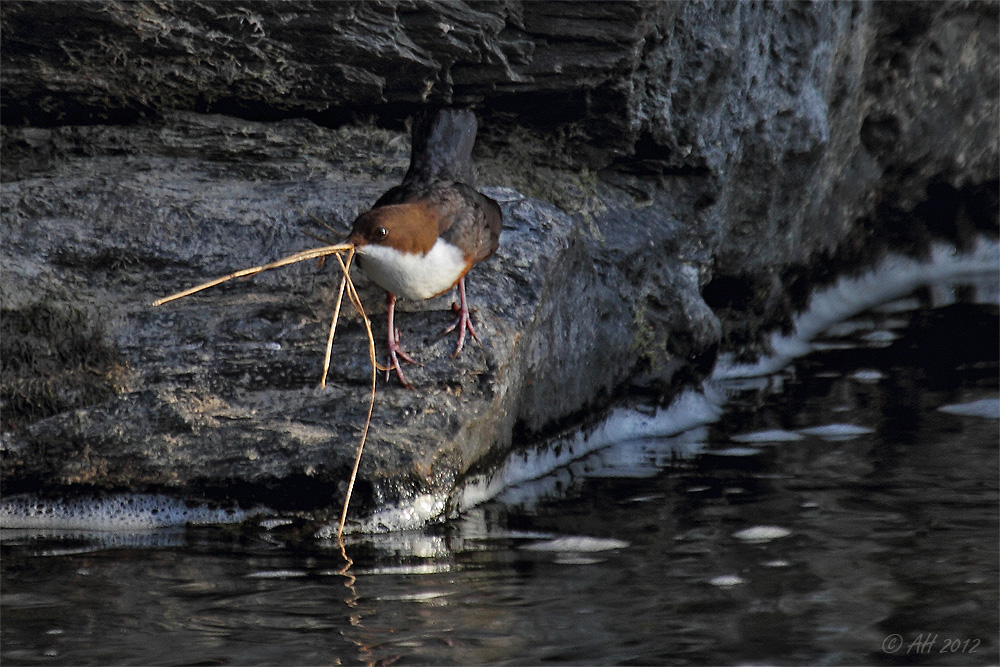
(671, 176)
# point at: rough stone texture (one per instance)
(217, 392)
(708, 151)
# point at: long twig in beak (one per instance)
(242, 273)
(346, 284)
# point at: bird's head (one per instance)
(409, 228)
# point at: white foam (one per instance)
(761, 534)
(898, 306)
(409, 515)
(867, 375)
(836, 431)
(849, 327)
(825, 346)
(623, 437)
(577, 544)
(735, 451)
(690, 410)
(390, 570)
(49, 542)
(727, 580)
(895, 277)
(417, 543)
(774, 435)
(418, 596)
(574, 559)
(881, 337)
(276, 574)
(986, 407)
(644, 457)
(121, 512)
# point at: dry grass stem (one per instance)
(346, 284)
(242, 273)
(336, 318)
(356, 300)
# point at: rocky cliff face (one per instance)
(707, 159)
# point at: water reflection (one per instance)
(849, 499)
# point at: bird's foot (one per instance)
(464, 324)
(396, 352)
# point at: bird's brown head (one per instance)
(408, 228)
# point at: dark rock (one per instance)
(700, 153)
(218, 392)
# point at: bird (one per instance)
(423, 236)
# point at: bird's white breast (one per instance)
(412, 275)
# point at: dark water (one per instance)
(883, 549)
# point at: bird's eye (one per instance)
(381, 232)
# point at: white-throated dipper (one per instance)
(422, 236)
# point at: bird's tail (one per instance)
(442, 143)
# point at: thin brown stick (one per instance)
(284, 261)
(356, 300)
(347, 283)
(336, 318)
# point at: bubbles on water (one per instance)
(408, 515)
(837, 431)
(771, 436)
(109, 513)
(276, 574)
(418, 596)
(61, 542)
(887, 286)
(727, 580)
(899, 306)
(735, 451)
(879, 337)
(577, 544)
(393, 570)
(761, 534)
(985, 407)
(574, 559)
(867, 375)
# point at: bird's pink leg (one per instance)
(395, 351)
(463, 322)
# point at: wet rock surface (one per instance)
(703, 156)
(218, 392)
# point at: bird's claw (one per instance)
(464, 324)
(396, 352)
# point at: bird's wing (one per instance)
(468, 219)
